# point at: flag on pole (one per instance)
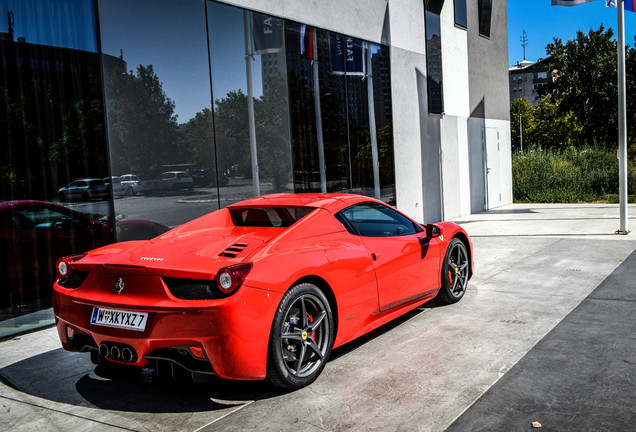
(569, 2)
(307, 42)
(628, 4)
(267, 34)
(347, 55)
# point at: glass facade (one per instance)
(52, 129)
(136, 117)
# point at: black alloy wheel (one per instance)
(455, 273)
(301, 338)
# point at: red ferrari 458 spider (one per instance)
(262, 289)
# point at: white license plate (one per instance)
(119, 318)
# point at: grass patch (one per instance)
(568, 176)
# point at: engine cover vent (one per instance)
(234, 250)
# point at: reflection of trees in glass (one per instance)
(363, 160)
(142, 126)
(83, 126)
(49, 140)
(196, 140)
(233, 139)
(272, 133)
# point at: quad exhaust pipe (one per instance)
(117, 352)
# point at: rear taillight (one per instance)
(229, 279)
(63, 266)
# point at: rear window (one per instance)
(268, 216)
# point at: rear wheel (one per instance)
(301, 338)
(455, 273)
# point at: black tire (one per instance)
(455, 273)
(301, 338)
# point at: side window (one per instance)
(376, 220)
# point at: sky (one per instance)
(543, 23)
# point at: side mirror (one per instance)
(433, 231)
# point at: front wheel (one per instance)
(301, 337)
(455, 273)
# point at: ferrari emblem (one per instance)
(304, 335)
(119, 286)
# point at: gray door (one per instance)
(493, 172)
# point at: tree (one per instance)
(585, 83)
(142, 126)
(522, 122)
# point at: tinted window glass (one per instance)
(268, 216)
(376, 220)
(485, 10)
(434, 63)
(460, 13)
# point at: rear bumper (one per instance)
(233, 332)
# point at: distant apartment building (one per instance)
(526, 77)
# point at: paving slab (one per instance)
(534, 264)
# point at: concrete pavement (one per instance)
(436, 368)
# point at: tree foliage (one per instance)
(585, 84)
(142, 126)
(542, 125)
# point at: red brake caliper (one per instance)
(311, 319)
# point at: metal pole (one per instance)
(321, 143)
(622, 124)
(250, 105)
(375, 159)
(521, 132)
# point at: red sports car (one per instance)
(262, 289)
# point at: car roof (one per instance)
(330, 201)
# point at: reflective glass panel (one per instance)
(52, 129)
(381, 77)
(485, 11)
(434, 63)
(160, 122)
(460, 13)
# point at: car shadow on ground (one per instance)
(357, 343)
(71, 378)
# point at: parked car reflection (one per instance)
(34, 234)
(116, 188)
(84, 190)
(131, 183)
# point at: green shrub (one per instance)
(567, 176)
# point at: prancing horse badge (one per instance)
(119, 286)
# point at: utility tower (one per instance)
(524, 43)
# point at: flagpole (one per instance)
(622, 125)
(321, 144)
(250, 104)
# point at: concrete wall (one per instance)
(488, 60)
